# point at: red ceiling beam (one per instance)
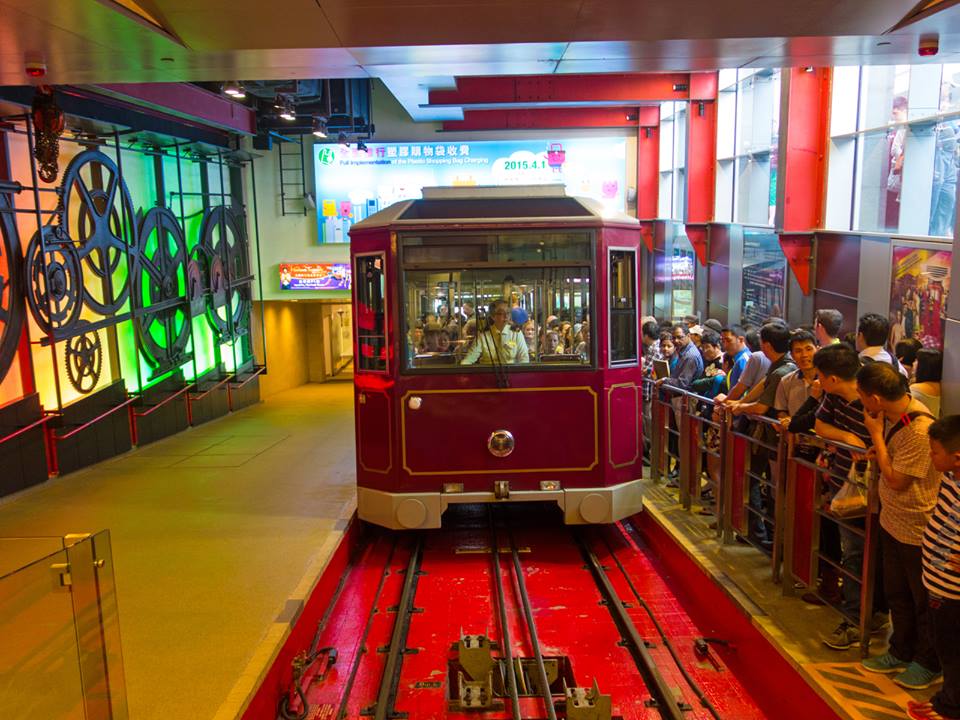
(556, 118)
(601, 88)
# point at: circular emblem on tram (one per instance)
(500, 443)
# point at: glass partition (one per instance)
(59, 630)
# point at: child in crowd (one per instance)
(941, 572)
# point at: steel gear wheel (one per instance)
(55, 295)
(223, 239)
(97, 214)
(83, 357)
(161, 306)
(11, 286)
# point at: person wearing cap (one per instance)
(696, 335)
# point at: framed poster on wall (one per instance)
(919, 288)
(314, 276)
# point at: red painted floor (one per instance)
(456, 593)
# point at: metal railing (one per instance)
(765, 487)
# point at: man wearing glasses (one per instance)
(499, 344)
(690, 364)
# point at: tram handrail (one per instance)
(782, 479)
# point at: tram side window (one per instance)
(371, 315)
(623, 307)
(505, 316)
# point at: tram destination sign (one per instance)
(314, 276)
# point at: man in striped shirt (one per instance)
(941, 572)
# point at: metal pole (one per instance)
(126, 253)
(43, 260)
(256, 230)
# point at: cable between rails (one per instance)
(504, 627)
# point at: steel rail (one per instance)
(504, 627)
(390, 680)
(355, 665)
(697, 690)
(543, 681)
(661, 691)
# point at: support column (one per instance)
(701, 160)
(648, 170)
(801, 184)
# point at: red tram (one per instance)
(497, 355)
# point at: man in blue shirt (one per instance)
(689, 363)
(733, 339)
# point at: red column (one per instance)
(701, 159)
(648, 171)
(801, 184)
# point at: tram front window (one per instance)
(524, 314)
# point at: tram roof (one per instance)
(483, 204)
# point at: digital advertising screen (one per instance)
(353, 184)
(314, 276)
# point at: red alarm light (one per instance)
(35, 68)
(929, 46)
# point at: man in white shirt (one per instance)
(873, 330)
(498, 345)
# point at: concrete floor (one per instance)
(213, 530)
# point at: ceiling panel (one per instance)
(468, 22)
(413, 55)
(672, 48)
(656, 19)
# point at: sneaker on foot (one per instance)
(917, 677)
(924, 711)
(885, 663)
(844, 637)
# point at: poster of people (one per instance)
(314, 276)
(918, 298)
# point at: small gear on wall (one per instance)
(83, 357)
(55, 292)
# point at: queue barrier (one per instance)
(764, 487)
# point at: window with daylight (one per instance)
(894, 149)
(673, 160)
(748, 128)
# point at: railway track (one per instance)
(496, 619)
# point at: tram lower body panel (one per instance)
(421, 450)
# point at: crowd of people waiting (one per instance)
(857, 392)
(507, 335)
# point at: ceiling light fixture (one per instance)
(319, 127)
(361, 146)
(343, 139)
(808, 69)
(288, 110)
(234, 89)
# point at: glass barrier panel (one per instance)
(18, 552)
(39, 671)
(98, 632)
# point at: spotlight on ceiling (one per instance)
(361, 146)
(234, 89)
(319, 127)
(288, 111)
(343, 139)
